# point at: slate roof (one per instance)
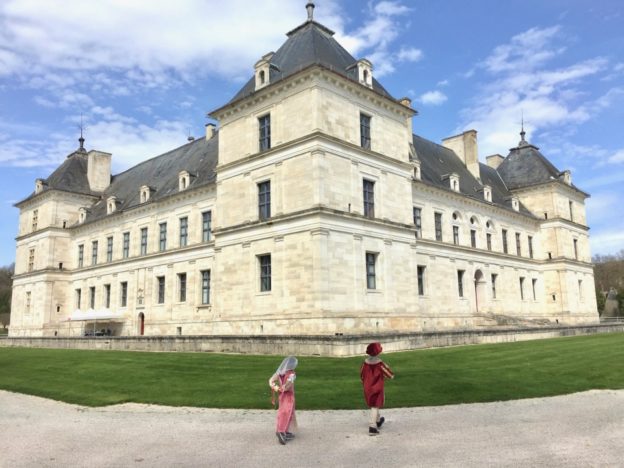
(310, 44)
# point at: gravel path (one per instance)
(583, 429)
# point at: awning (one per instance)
(103, 315)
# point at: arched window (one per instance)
(261, 77)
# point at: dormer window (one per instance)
(365, 73)
(39, 185)
(453, 182)
(184, 180)
(263, 67)
(416, 166)
(82, 215)
(566, 177)
(111, 205)
(487, 193)
(145, 193)
(515, 203)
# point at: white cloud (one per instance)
(443, 83)
(409, 54)
(391, 8)
(618, 157)
(433, 98)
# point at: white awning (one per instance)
(96, 315)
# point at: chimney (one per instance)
(465, 147)
(210, 130)
(98, 170)
(494, 160)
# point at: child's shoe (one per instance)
(281, 437)
(372, 431)
(290, 436)
(380, 422)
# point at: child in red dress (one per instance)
(373, 373)
(283, 383)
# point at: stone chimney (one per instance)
(98, 170)
(210, 130)
(465, 147)
(494, 160)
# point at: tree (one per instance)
(600, 301)
(6, 281)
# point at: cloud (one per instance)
(443, 83)
(618, 157)
(409, 54)
(433, 98)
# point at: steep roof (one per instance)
(310, 44)
(525, 166)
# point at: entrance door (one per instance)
(141, 324)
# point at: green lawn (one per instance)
(426, 377)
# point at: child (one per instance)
(283, 382)
(373, 373)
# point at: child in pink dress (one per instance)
(283, 383)
(373, 373)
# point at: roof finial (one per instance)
(310, 8)
(523, 142)
(81, 139)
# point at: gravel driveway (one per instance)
(583, 429)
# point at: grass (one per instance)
(425, 377)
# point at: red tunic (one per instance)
(373, 376)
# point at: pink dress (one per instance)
(286, 411)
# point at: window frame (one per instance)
(437, 221)
(368, 197)
(460, 283)
(264, 200)
(420, 275)
(417, 215)
(207, 226)
(123, 294)
(183, 241)
(162, 236)
(205, 287)
(94, 252)
(144, 240)
(182, 283)
(160, 298)
(264, 132)
(365, 130)
(265, 273)
(109, 249)
(371, 270)
(125, 249)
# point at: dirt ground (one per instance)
(583, 429)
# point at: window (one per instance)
(265, 132)
(126, 244)
(264, 200)
(143, 241)
(183, 232)
(418, 221)
(31, 259)
(369, 198)
(421, 280)
(505, 240)
(265, 272)
(205, 275)
(162, 237)
(80, 255)
(473, 238)
(575, 241)
(35, 219)
(460, 282)
(456, 235)
(92, 297)
(371, 260)
(534, 286)
(571, 206)
(107, 291)
(530, 239)
(94, 252)
(161, 289)
(580, 289)
(124, 294)
(206, 226)
(438, 226)
(109, 249)
(494, 277)
(522, 288)
(518, 248)
(182, 287)
(365, 135)
(78, 296)
(488, 238)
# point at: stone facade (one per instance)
(298, 217)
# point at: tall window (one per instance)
(78, 298)
(580, 288)
(421, 280)
(92, 297)
(183, 232)
(162, 237)
(31, 259)
(418, 221)
(109, 249)
(161, 289)
(369, 198)
(126, 244)
(460, 282)
(473, 238)
(28, 299)
(264, 200)
(571, 206)
(371, 260)
(107, 290)
(205, 275)
(206, 225)
(456, 235)
(265, 272)
(438, 226)
(80, 255)
(143, 241)
(488, 239)
(575, 241)
(124, 294)
(94, 252)
(518, 248)
(505, 240)
(494, 277)
(522, 288)
(35, 219)
(530, 239)
(365, 131)
(182, 287)
(264, 123)
(534, 285)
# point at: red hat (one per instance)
(373, 349)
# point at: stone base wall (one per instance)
(332, 345)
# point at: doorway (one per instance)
(479, 284)
(141, 325)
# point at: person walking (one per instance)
(373, 374)
(282, 382)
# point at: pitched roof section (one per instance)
(525, 166)
(310, 44)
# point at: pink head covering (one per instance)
(373, 349)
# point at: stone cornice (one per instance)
(51, 193)
(49, 229)
(555, 182)
(558, 219)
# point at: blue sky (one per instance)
(144, 73)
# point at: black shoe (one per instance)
(372, 431)
(281, 437)
(380, 422)
(290, 436)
